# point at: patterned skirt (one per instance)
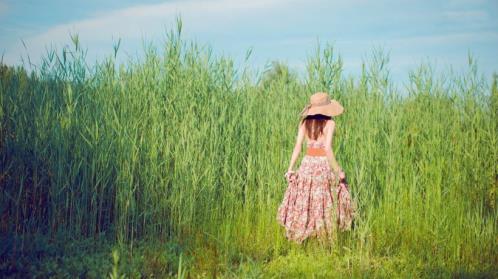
(314, 204)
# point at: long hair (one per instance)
(314, 125)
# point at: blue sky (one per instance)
(442, 32)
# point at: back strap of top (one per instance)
(316, 144)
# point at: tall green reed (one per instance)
(181, 145)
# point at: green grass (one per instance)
(182, 147)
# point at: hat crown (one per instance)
(320, 103)
(319, 98)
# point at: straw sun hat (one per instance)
(320, 103)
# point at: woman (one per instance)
(317, 198)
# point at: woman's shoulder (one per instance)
(329, 126)
(330, 122)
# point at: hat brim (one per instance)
(332, 109)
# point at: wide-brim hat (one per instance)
(320, 103)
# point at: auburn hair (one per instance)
(314, 124)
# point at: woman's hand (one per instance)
(290, 175)
(342, 175)
(342, 179)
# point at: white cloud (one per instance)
(133, 23)
(220, 21)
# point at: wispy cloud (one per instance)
(285, 30)
(136, 22)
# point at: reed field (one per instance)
(172, 166)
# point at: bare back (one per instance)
(321, 140)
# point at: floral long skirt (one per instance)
(314, 204)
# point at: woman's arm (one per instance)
(328, 147)
(297, 146)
